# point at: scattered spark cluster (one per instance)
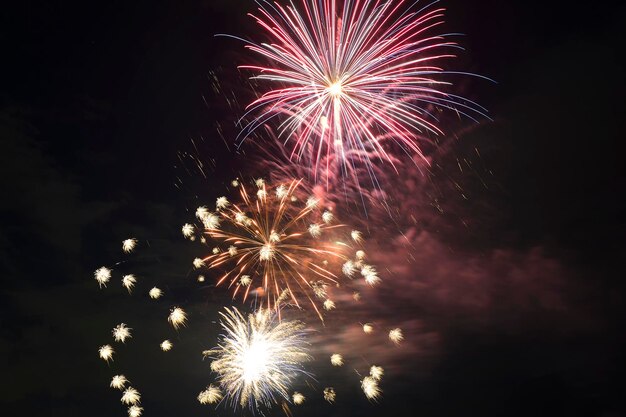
(281, 242)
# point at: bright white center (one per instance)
(335, 89)
(267, 252)
(255, 361)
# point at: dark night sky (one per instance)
(100, 98)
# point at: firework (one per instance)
(377, 372)
(135, 411)
(119, 382)
(349, 80)
(128, 282)
(210, 395)
(298, 398)
(106, 352)
(329, 305)
(370, 274)
(102, 275)
(166, 345)
(258, 357)
(396, 336)
(177, 317)
(368, 328)
(130, 396)
(329, 394)
(128, 245)
(198, 263)
(188, 230)
(221, 203)
(121, 332)
(336, 359)
(274, 243)
(370, 387)
(155, 293)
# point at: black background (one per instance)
(99, 99)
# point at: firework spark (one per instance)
(349, 80)
(377, 372)
(210, 395)
(121, 332)
(177, 317)
(166, 345)
(119, 382)
(329, 305)
(298, 398)
(258, 357)
(188, 230)
(102, 275)
(370, 274)
(155, 293)
(370, 387)
(329, 394)
(396, 336)
(135, 411)
(336, 359)
(106, 352)
(128, 282)
(275, 244)
(131, 396)
(128, 245)
(368, 328)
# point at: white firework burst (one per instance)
(177, 317)
(370, 387)
(348, 268)
(210, 395)
(336, 359)
(166, 346)
(370, 274)
(128, 245)
(377, 372)
(396, 336)
(188, 230)
(102, 275)
(128, 282)
(121, 332)
(106, 352)
(258, 357)
(198, 263)
(118, 382)
(221, 203)
(298, 398)
(329, 394)
(315, 230)
(135, 411)
(131, 396)
(155, 293)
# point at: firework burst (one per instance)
(276, 241)
(258, 357)
(350, 80)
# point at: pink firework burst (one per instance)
(352, 81)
